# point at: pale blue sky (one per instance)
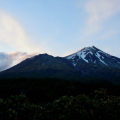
(59, 27)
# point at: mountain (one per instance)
(41, 66)
(83, 65)
(93, 62)
(94, 56)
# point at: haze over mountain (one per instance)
(88, 62)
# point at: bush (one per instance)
(99, 106)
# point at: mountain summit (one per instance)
(95, 56)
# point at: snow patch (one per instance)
(98, 55)
(103, 62)
(82, 55)
(70, 57)
(74, 64)
(90, 52)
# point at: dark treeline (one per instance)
(56, 99)
(42, 91)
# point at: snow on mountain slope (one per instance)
(93, 55)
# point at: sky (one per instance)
(57, 27)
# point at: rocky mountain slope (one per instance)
(93, 62)
(94, 56)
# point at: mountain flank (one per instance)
(89, 62)
(41, 66)
(95, 56)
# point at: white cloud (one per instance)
(11, 59)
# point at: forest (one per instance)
(57, 99)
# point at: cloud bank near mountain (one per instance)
(11, 59)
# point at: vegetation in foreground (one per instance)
(58, 100)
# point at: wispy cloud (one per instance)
(101, 26)
(11, 59)
(99, 11)
(108, 34)
(13, 34)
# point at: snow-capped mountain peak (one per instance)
(93, 55)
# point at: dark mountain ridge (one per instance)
(89, 62)
(41, 66)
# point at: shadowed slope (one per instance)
(42, 65)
